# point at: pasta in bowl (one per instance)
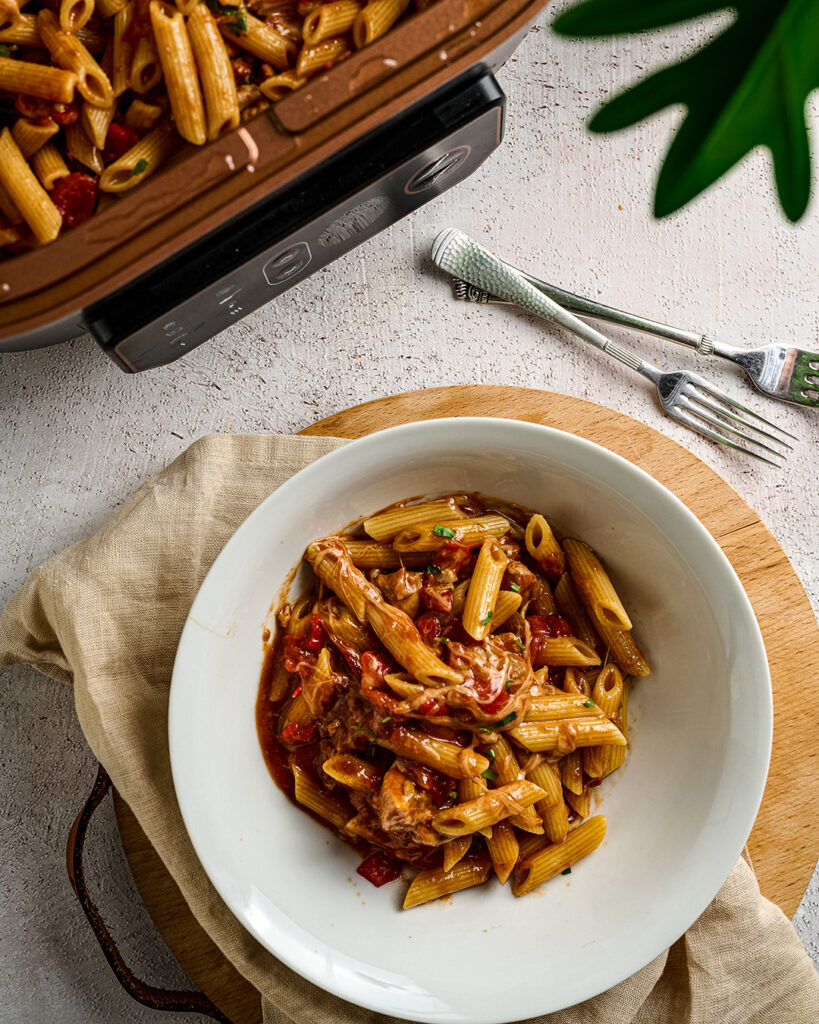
(678, 810)
(435, 697)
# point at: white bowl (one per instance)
(679, 810)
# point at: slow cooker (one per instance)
(228, 227)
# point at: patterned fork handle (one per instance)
(461, 256)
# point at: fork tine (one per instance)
(723, 426)
(690, 421)
(719, 394)
(722, 411)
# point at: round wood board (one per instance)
(784, 844)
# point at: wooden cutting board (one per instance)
(784, 844)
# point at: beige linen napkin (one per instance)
(107, 615)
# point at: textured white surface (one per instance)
(79, 436)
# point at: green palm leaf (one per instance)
(746, 88)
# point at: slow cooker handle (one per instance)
(148, 995)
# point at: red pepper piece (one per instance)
(119, 140)
(429, 627)
(379, 868)
(299, 732)
(75, 196)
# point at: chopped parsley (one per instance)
(589, 703)
(508, 684)
(509, 718)
(387, 719)
(140, 167)
(489, 774)
(238, 26)
(487, 619)
(453, 794)
(443, 531)
(5, 50)
(515, 587)
(567, 871)
(483, 728)
(520, 643)
(361, 728)
(433, 569)
(490, 754)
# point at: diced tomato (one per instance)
(432, 707)
(373, 669)
(313, 639)
(379, 868)
(75, 196)
(242, 70)
(550, 625)
(299, 732)
(453, 555)
(429, 627)
(119, 140)
(455, 631)
(43, 111)
(544, 627)
(556, 674)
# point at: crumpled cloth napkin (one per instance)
(106, 615)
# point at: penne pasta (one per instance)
(123, 49)
(468, 532)
(387, 525)
(95, 122)
(81, 148)
(274, 88)
(437, 717)
(179, 70)
(542, 545)
(547, 861)
(49, 166)
(455, 850)
(142, 116)
(109, 8)
(394, 628)
(73, 14)
(8, 209)
(46, 83)
(25, 191)
(320, 55)
(352, 772)
(140, 161)
(309, 793)
(375, 19)
(506, 767)
(260, 39)
(504, 850)
(30, 136)
(218, 85)
(483, 590)
(622, 647)
(69, 53)
(454, 761)
(567, 650)
(492, 806)
(616, 755)
(431, 885)
(9, 13)
(370, 554)
(572, 609)
(328, 20)
(145, 72)
(607, 695)
(567, 735)
(593, 582)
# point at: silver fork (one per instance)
(780, 371)
(685, 396)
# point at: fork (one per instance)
(779, 371)
(685, 396)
